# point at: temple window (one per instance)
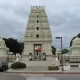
(37, 36)
(37, 16)
(37, 28)
(37, 21)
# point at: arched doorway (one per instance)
(37, 51)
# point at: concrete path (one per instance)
(41, 66)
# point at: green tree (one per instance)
(13, 45)
(64, 51)
(21, 48)
(53, 50)
(78, 35)
(72, 40)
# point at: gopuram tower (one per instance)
(38, 38)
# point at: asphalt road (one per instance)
(7, 76)
(52, 76)
(64, 76)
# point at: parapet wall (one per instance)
(41, 7)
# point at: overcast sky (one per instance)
(63, 17)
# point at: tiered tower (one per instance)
(38, 34)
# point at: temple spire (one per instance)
(38, 34)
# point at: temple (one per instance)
(75, 50)
(38, 38)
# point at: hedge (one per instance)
(53, 68)
(18, 65)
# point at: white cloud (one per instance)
(63, 17)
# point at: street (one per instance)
(65, 76)
(53, 76)
(9, 76)
(22, 76)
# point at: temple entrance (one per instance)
(37, 51)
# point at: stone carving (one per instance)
(44, 56)
(17, 60)
(75, 50)
(56, 62)
(30, 56)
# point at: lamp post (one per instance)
(61, 54)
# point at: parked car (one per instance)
(3, 65)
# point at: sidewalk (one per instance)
(67, 71)
(44, 70)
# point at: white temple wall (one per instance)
(28, 48)
(75, 52)
(3, 51)
(47, 48)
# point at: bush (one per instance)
(53, 68)
(18, 65)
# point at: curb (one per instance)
(45, 72)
